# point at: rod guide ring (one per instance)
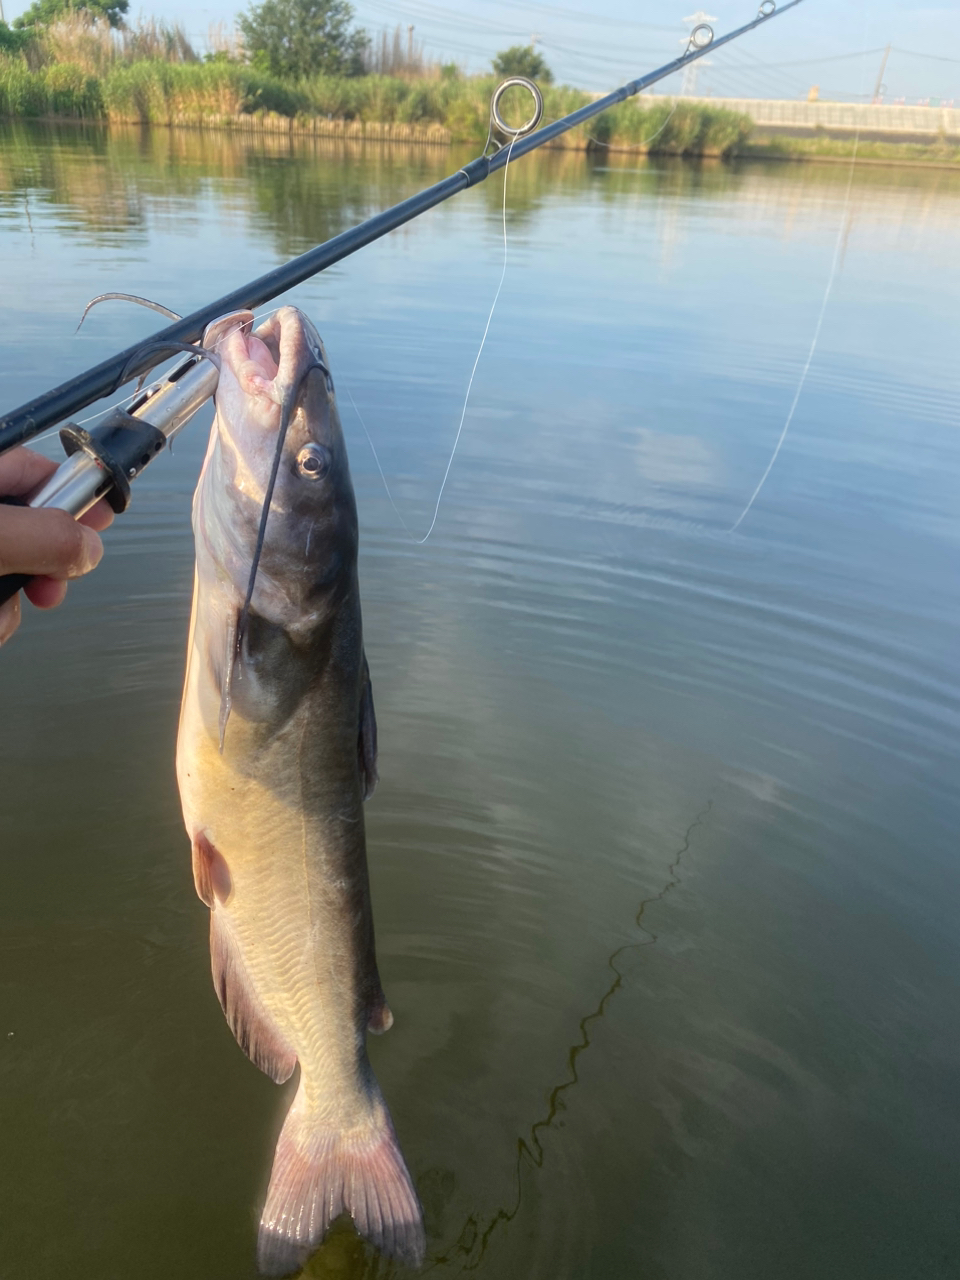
(767, 8)
(701, 36)
(528, 126)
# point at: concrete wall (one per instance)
(842, 117)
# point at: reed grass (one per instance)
(164, 93)
(91, 43)
(61, 89)
(102, 79)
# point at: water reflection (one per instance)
(474, 1238)
(562, 675)
(305, 190)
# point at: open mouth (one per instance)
(254, 362)
(267, 362)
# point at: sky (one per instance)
(599, 44)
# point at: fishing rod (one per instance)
(104, 379)
(103, 461)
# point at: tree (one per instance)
(522, 60)
(42, 12)
(304, 37)
(13, 41)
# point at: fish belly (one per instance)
(292, 959)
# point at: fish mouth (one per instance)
(253, 362)
(267, 362)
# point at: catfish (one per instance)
(277, 751)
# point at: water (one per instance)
(664, 853)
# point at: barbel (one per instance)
(27, 421)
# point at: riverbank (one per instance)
(440, 110)
(939, 153)
(432, 111)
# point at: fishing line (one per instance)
(841, 239)
(466, 401)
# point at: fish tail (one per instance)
(320, 1173)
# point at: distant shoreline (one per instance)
(444, 112)
(796, 150)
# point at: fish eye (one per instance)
(313, 461)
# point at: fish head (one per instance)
(275, 382)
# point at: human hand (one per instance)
(44, 542)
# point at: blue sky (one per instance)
(837, 44)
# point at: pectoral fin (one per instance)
(367, 738)
(211, 875)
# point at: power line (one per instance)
(442, 17)
(604, 58)
(579, 15)
(833, 57)
(451, 20)
(934, 57)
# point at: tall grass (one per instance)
(684, 128)
(103, 78)
(91, 43)
(149, 73)
(162, 92)
(62, 89)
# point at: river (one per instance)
(664, 854)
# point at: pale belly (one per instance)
(293, 901)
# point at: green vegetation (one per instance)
(78, 66)
(301, 66)
(44, 12)
(296, 38)
(12, 42)
(159, 92)
(677, 128)
(820, 147)
(523, 60)
(57, 90)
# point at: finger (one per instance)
(9, 618)
(45, 541)
(45, 593)
(99, 517)
(22, 471)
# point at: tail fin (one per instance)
(320, 1173)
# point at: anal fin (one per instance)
(255, 1031)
